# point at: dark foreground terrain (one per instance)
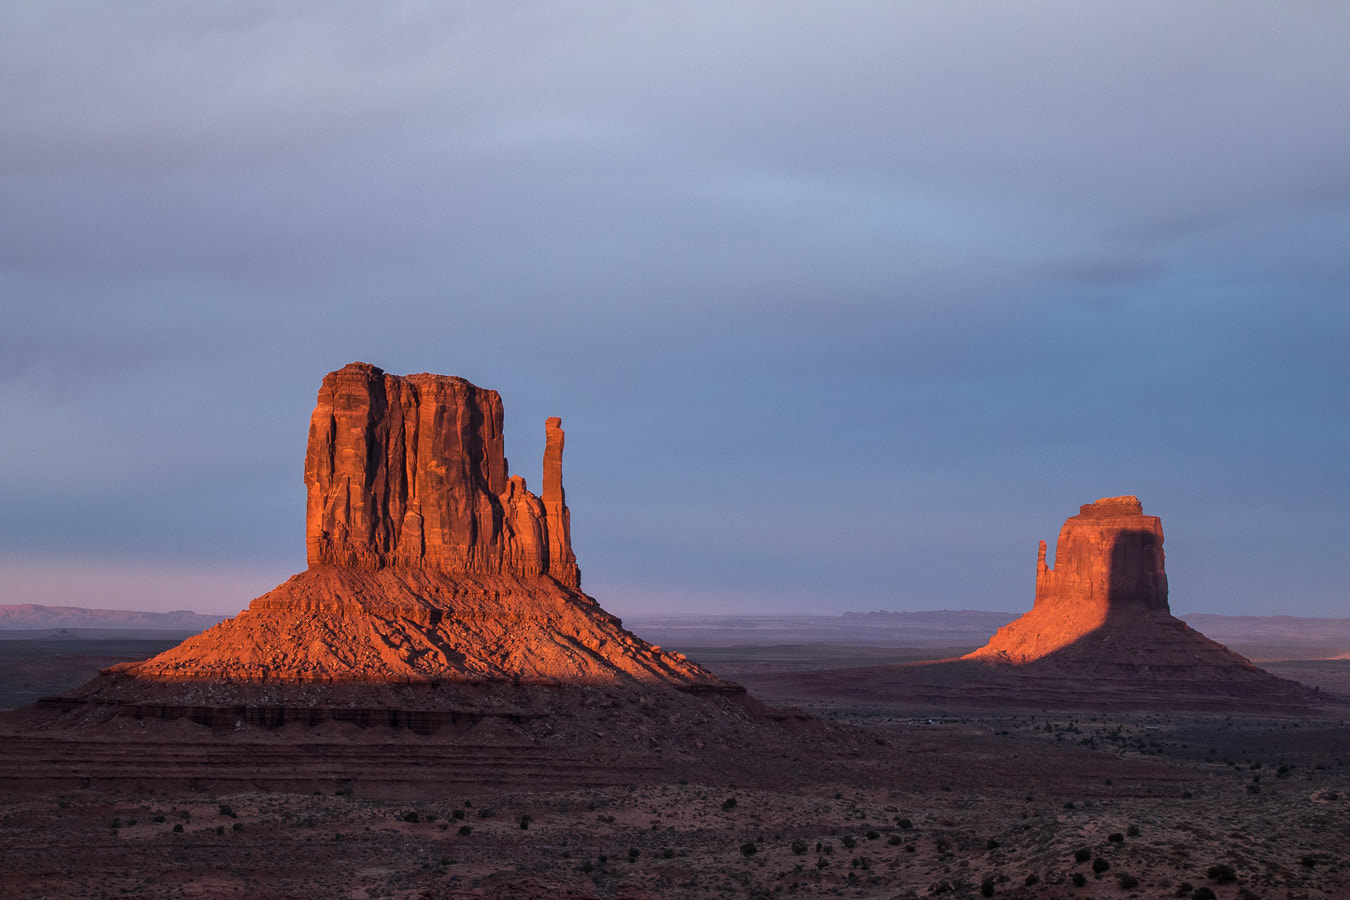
(632, 799)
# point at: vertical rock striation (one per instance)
(1104, 602)
(428, 561)
(411, 472)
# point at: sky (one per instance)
(843, 306)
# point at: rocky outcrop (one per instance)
(1108, 569)
(1099, 636)
(1101, 616)
(429, 562)
(411, 472)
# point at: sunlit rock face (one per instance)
(428, 562)
(1105, 599)
(410, 471)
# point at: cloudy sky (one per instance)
(844, 306)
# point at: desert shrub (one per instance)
(1128, 882)
(1184, 888)
(749, 848)
(226, 811)
(1204, 893)
(667, 853)
(1079, 879)
(873, 835)
(1082, 855)
(178, 827)
(1132, 831)
(486, 812)
(588, 866)
(1115, 837)
(525, 821)
(799, 847)
(849, 841)
(159, 818)
(893, 840)
(633, 854)
(465, 830)
(238, 826)
(1308, 861)
(411, 816)
(987, 887)
(1032, 879)
(1100, 865)
(729, 803)
(904, 823)
(220, 829)
(1222, 873)
(991, 844)
(1069, 805)
(458, 813)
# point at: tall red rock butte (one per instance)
(1102, 608)
(1100, 635)
(428, 561)
(1108, 575)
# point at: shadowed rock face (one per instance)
(1100, 636)
(1103, 606)
(1108, 569)
(428, 562)
(410, 471)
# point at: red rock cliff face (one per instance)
(1109, 554)
(428, 562)
(1108, 578)
(410, 472)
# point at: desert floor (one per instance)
(928, 804)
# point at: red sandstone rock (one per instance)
(1100, 636)
(428, 562)
(1103, 606)
(410, 471)
(1108, 561)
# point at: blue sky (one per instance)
(843, 306)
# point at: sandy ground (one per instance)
(1006, 800)
(877, 803)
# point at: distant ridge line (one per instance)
(39, 617)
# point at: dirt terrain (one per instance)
(327, 810)
(910, 808)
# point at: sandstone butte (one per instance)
(1104, 603)
(428, 562)
(1099, 636)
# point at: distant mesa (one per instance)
(1104, 602)
(1100, 635)
(428, 562)
(37, 617)
(1102, 609)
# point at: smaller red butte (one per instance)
(1108, 568)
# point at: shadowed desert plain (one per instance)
(435, 709)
